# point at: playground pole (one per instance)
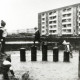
(22, 54)
(33, 53)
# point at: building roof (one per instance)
(60, 8)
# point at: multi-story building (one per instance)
(61, 21)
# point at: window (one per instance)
(64, 25)
(50, 22)
(43, 31)
(64, 15)
(68, 30)
(64, 20)
(64, 30)
(69, 25)
(69, 9)
(42, 14)
(79, 13)
(54, 26)
(43, 26)
(54, 12)
(54, 17)
(69, 20)
(50, 31)
(54, 21)
(69, 14)
(43, 18)
(50, 17)
(54, 31)
(43, 22)
(79, 18)
(50, 13)
(50, 26)
(64, 10)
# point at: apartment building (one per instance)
(61, 21)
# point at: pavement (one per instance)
(46, 70)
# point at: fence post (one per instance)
(66, 56)
(44, 52)
(55, 54)
(33, 53)
(22, 54)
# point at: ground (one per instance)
(46, 70)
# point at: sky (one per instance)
(23, 14)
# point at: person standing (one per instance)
(3, 34)
(68, 47)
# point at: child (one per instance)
(68, 47)
(3, 34)
(7, 69)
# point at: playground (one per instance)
(46, 70)
(44, 64)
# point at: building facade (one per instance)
(61, 21)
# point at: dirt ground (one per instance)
(46, 70)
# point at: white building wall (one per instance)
(78, 14)
(67, 21)
(53, 22)
(43, 24)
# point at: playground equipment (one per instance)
(55, 54)
(66, 56)
(44, 52)
(22, 54)
(33, 53)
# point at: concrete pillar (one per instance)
(33, 53)
(55, 54)
(44, 52)
(22, 54)
(66, 56)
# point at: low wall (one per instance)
(75, 42)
